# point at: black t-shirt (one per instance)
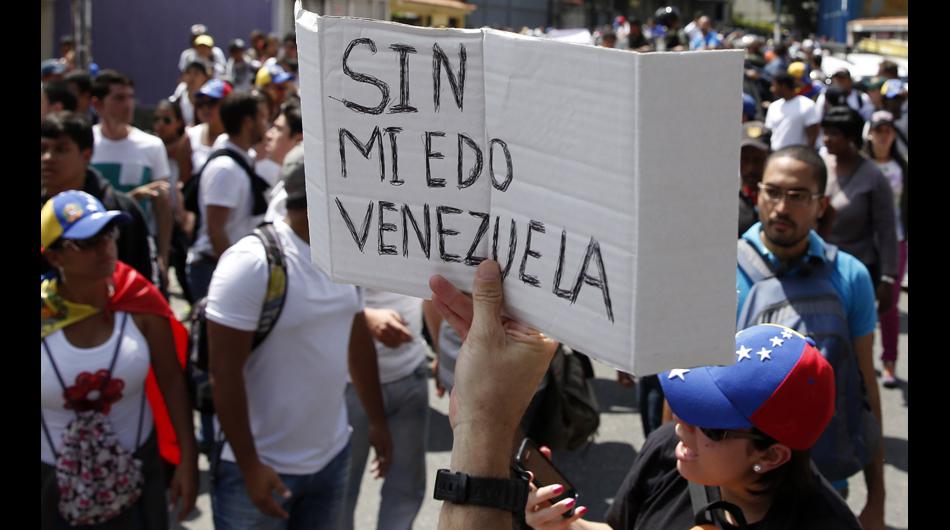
(654, 495)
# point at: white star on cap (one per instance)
(764, 354)
(776, 341)
(678, 372)
(787, 334)
(743, 353)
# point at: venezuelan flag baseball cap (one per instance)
(272, 74)
(75, 215)
(780, 384)
(214, 89)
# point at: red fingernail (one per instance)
(558, 489)
(581, 511)
(570, 503)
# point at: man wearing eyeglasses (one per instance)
(828, 296)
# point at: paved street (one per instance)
(598, 470)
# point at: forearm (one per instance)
(874, 478)
(230, 404)
(163, 217)
(480, 452)
(175, 394)
(874, 470)
(364, 369)
(219, 240)
(885, 222)
(170, 377)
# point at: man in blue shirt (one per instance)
(791, 200)
(706, 38)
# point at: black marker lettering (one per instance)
(386, 250)
(454, 258)
(364, 149)
(479, 234)
(364, 78)
(458, 83)
(403, 105)
(593, 249)
(566, 294)
(392, 132)
(512, 245)
(491, 164)
(360, 240)
(426, 243)
(476, 169)
(533, 226)
(431, 182)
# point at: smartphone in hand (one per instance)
(530, 458)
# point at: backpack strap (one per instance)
(752, 262)
(118, 344)
(62, 383)
(49, 438)
(259, 186)
(276, 294)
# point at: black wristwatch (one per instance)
(510, 495)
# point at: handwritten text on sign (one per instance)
(430, 150)
(384, 143)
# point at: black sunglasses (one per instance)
(164, 119)
(718, 435)
(109, 234)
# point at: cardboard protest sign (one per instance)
(602, 181)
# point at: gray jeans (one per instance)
(406, 402)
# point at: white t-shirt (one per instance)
(187, 109)
(268, 170)
(224, 183)
(277, 206)
(895, 176)
(788, 120)
(137, 159)
(131, 367)
(199, 151)
(396, 363)
(296, 378)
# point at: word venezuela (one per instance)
(403, 229)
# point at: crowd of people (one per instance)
(308, 374)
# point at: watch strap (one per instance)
(504, 494)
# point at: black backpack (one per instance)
(568, 415)
(259, 187)
(274, 298)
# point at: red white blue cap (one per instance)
(780, 384)
(214, 89)
(75, 214)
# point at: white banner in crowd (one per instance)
(603, 182)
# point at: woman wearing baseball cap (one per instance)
(745, 428)
(106, 337)
(882, 148)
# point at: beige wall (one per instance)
(47, 48)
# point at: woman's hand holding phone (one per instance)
(540, 514)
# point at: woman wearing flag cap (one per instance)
(745, 428)
(108, 340)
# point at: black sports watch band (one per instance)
(509, 495)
